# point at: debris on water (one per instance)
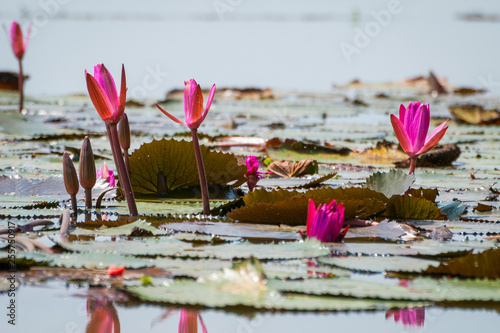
(475, 114)
(441, 234)
(443, 155)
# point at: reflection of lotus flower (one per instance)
(411, 130)
(325, 223)
(104, 96)
(193, 105)
(253, 174)
(18, 43)
(188, 322)
(103, 317)
(408, 317)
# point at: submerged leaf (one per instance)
(160, 167)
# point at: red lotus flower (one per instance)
(104, 96)
(18, 43)
(325, 223)
(411, 130)
(193, 105)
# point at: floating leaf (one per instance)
(210, 294)
(481, 265)
(421, 289)
(160, 167)
(380, 264)
(293, 211)
(124, 230)
(427, 193)
(318, 181)
(294, 169)
(171, 247)
(453, 210)
(390, 183)
(411, 208)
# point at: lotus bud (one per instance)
(87, 171)
(70, 180)
(124, 132)
(70, 176)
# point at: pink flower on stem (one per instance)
(253, 174)
(110, 107)
(411, 130)
(18, 43)
(193, 105)
(325, 223)
(194, 116)
(104, 96)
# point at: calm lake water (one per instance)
(280, 44)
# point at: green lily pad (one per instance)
(410, 208)
(480, 265)
(124, 230)
(390, 183)
(209, 294)
(421, 289)
(171, 247)
(173, 164)
(380, 264)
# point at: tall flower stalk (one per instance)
(194, 116)
(110, 107)
(411, 130)
(19, 45)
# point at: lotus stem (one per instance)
(123, 175)
(73, 204)
(413, 164)
(88, 198)
(21, 86)
(201, 172)
(125, 157)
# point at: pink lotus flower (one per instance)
(18, 43)
(104, 96)
(408, 317)
(253, 174)
(188, 322)
(106, 174)
(325, 223)
(411, 130)
(193, 105)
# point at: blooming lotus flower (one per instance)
(104, 96)
(18, 43)
(411, 130)
(325, 223)
(193, 105)
(252, 174)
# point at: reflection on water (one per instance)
(188, 321)
(408, 317)
(103, 317)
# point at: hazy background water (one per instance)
(284, 44)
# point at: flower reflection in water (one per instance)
(103, 317)
(408, 317)
(188, 322)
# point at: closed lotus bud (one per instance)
(70, 176)
(124, 132)
(87, 165)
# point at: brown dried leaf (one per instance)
(294, 169)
